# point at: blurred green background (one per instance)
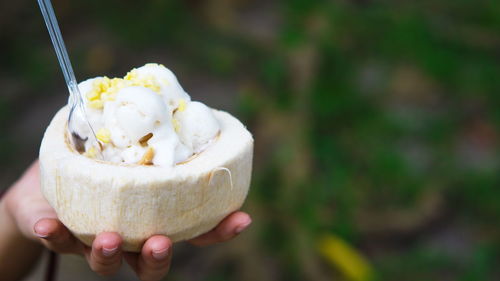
(376, 124)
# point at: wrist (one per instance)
(10, 227)
(17, 253)
(9, 208)
(7, 219)
(6, 208)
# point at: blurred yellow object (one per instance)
(345, 258)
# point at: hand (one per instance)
(36, 220)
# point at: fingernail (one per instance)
(109, 252)
(40, 234)
(242, 226)
(161, 254)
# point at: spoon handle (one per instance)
(61, 52)
(75, 98)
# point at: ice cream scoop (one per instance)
(147, 103)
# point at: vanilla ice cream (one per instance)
(145, 118)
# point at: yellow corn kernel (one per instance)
(125, 83)
(91, 152)
(93, 95)
(176, 125)
(96, 83)
(153, 87)
(106, 80)
(148, 81)
(182, 105)
(103, 87)
(116, 82)
(131, 75)
(103, 135)
(96, 104)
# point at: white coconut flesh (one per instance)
(181, 201)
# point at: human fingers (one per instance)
(105, 256)
(55, 236)
(231, 226)
(153, 262)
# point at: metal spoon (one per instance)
(75, 98)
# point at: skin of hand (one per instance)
(37, 221)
